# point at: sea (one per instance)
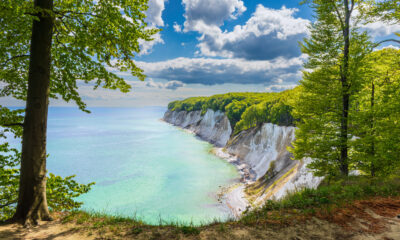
(143, 167)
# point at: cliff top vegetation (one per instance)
(245, 110)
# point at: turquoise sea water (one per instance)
(142, 166)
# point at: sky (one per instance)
(208, 47)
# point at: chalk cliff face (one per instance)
(301, 177)
(263, 147)
(260, 153)
(213, 127)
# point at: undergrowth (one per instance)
(328, 196)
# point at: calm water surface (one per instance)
(142, 166)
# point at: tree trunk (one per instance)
(372, 150)
(344, 165)
(32, 202)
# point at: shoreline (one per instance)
(233, 197)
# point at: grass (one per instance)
(326, 197)
(189, 230)
(116, 225)
(99, 219)
(113, 225)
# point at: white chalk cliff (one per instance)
(213, 127)
(253, 151)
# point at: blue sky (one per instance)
(173, 14)
(217, 46)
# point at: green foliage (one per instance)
(339, 192)
(89, 37)
(271, 172)
(372, 84)
(9, 180)
(244, 110)
(9, 161)
(387, 10)
(274, 109)
(376, 114)
(235, 109)
(61, 192)
(329, 85)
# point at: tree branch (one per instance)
(12, 124)
(12, 58)
(352, 6)
(387, 40)
(64, 13)
(8, 204)
(338, 13)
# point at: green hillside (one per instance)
(245, 110)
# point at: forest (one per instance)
(244, 110)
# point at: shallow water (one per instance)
(142, 166)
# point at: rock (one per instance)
(242, 166)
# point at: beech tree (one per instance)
(47, 49)
(335, 52)
(376, 113)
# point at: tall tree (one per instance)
(32, 201)
(336, 50)
(47, 49)
(376, 112)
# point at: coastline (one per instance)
(233, 197)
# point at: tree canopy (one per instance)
(89, 38)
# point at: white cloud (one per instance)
(147, 47)
(376, 27)
(177, 27)
(279, 88)
(154, 19)
(171, 85)
(151, 84)
(381, 29)
(219, 71)
(154, 12)
(210, 12)
(269, 33)
(141, 95)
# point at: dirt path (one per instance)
(314, 229)
(45, 230)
